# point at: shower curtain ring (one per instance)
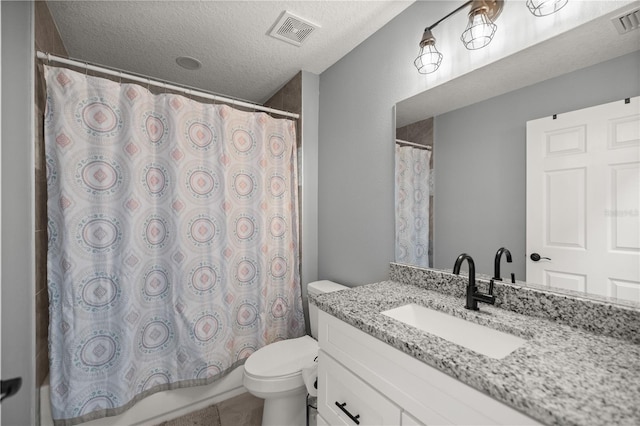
(48, 58)
(86, 69)
(120, 77)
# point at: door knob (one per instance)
(535, 257)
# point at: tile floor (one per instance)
(246, 410)
(242, 410)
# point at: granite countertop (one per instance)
(560, 376)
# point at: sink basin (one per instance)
(484, 340)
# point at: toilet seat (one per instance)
(278, 367)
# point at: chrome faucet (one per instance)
(496, 264)
(473, 295)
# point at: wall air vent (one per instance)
(292, 29)
(628, 21)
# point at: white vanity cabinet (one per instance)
(385, 386)
(347, 399)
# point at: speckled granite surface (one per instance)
(601, 315)
(561, 376)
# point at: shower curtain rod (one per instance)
(157, 83)
(417, 145)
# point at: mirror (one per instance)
(414, 193)
(479, 128)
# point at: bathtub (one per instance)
(161, 406)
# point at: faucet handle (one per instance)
(491, 288)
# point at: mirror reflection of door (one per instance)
(414, 194)
(583, 200)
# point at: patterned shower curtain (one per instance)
(173, 241)
(412, 205)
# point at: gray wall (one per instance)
(355, 195)
(480, 161)
(309, 221)
(18, 312)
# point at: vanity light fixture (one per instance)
(479, 32)
(480, 28)
(429, 58)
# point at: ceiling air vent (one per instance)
(292, 29)
(628, 21)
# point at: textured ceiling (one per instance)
(230, 38)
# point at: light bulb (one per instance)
(429, 59)
(479, 31)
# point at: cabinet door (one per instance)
(344, 399)
(409, 420)
(321, 421)
(430, 395)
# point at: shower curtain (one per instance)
(412, 205)
(173, 241)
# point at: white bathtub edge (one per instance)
(161, 406)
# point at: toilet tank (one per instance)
(315, 288)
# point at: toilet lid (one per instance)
(282, 358)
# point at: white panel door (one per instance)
(583, 200)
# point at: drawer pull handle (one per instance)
(351, 416)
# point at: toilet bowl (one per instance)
(274, 372)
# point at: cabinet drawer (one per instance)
(338, 386)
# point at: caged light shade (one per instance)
(545, 7)
(480, 29)
(429, 59)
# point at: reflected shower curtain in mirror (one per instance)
(173, 241)
(412, 205)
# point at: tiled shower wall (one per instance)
(289, 98)
(421, 132)
(47, 39)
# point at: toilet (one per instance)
(274, 372)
